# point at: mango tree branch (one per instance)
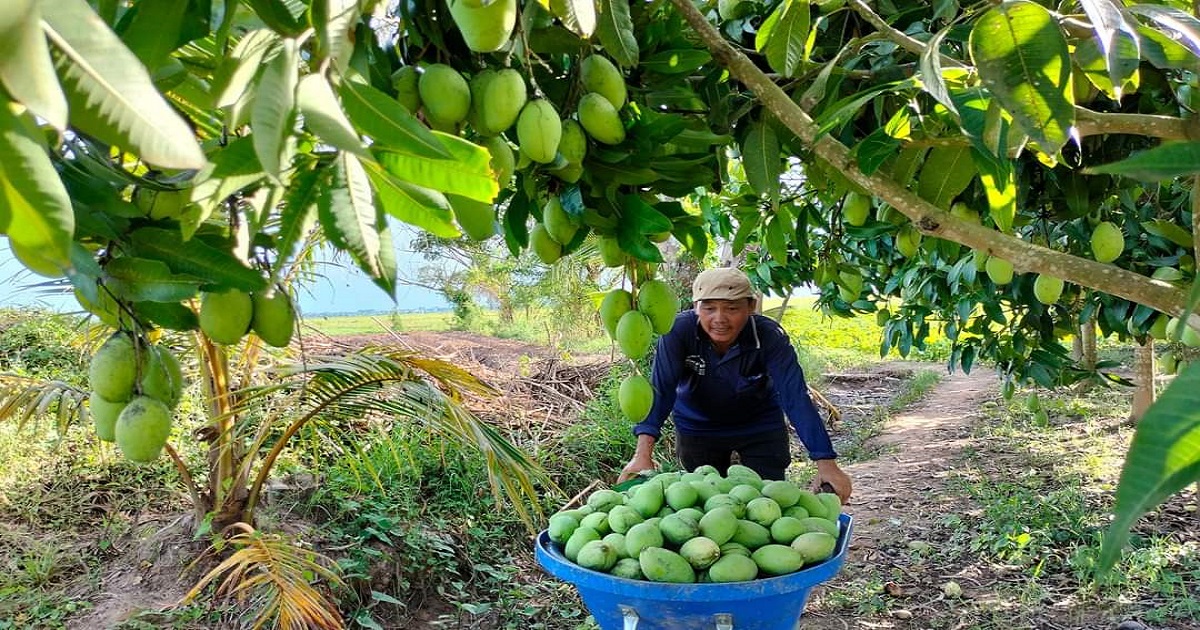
(897, 37)
(928, 218)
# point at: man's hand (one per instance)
(635, 466)
(829, 472)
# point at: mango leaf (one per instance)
(1180, 25)
(324, 116)
(1092, 62)
(516, 218)
(232, 168)
(930, 66)
(694, 239)
(468, 173)
(109, 94)
(143, 280)
(387, 123)
(422, 207)
(25, 66)
(760, 156)
(333, 21)
(682, 61)
(1165, 53)
(298, 216)
(169, 315)
(946, 173)
(158, 27)
(1023, 60)
(1166, 161)
(783, 36)
(645, 218)
(217, 268)
(285, 17)
(1164, 457)
(1000, 187)
(346, 209)
(577, 15)
(1169, 231)
(1116, 38)
(777, 239)
(35, 210)
(615, 32)
(239, 68)
(273, 108)
(872, 151)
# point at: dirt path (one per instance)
(897, 493)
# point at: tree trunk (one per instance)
(1143, 375)
(506, 311)
(783, 307)
(1077, 348)
(1087, 337)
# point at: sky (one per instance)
(343, 289)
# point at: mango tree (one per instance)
(160, 150)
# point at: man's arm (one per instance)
(780, 359)
(643, 457)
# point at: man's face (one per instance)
(723, 320)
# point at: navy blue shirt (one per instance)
(747, 390)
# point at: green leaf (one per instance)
(25, 66)
(35, 210)
(946, 173)
(169, 315)
(1179, 25)
(142, 280)
(347, 212)
(777, 239)
(1023, 60)
(217, 268)
(645, 218)
(233, 168)
(1000, 186)
(298, 216)
(615, 32)
(324, 116)
(387, 122)
(467, 174)
(1170, 231)
(682, 61)
(783, 36)
(333, 21)
(1165, 53)
(238, 69)
(158, 28)
(931, 71)
(273, 107)
(109, 94)
(285, 17)
(1166, 161)
(1164, 457)
(577, 15)
(760, 155)
(425, 208)
(1116, 38)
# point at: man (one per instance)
(729, 376)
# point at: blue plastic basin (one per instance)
(762, 604)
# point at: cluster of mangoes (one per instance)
(633, 329)
(136, 386)
(700, 526)
(493, 102)
(226, 316)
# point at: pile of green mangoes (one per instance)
(700, 526)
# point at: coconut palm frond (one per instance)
(449, 377)
(273, 577)
(26, 399)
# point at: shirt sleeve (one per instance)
(664, 377)
(788, 378)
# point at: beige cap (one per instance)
(722, 283)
